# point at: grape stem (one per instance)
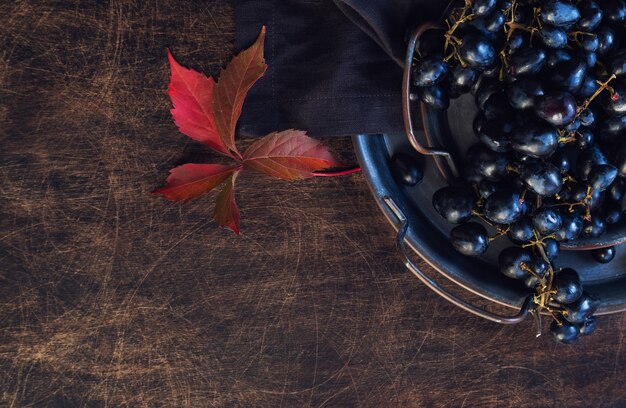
(501, 232)
(603, 85)
(449, 35)
(584, 202)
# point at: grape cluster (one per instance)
(549, 79)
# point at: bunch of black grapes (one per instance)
(549, 78)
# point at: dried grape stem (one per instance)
(449, 35)
(603, 85)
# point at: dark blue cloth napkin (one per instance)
(334, 66)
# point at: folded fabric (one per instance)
(334, 66)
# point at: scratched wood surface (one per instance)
(112, 297)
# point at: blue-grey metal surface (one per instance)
(427, 234)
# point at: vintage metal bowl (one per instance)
(420, 228)
(410, 211)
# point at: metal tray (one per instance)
(410, 211)
(452, 131)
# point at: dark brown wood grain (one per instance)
(110, 296)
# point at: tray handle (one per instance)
(406, 101)
(426, 280)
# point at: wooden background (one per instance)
(112, 297)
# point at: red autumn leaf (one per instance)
(226, 212)
(289, 155)
(208, 112)
(234, 83)
(191, 180)
(192, 96)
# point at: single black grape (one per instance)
(564, 332)
(616, 190)
(547, 220)
(489, 164)
(589, 326)
(617, 63)
(568, 75)
(470, 239)
(526, 61)
(601, 176)
(581, 309)
(521, 93)
(551, 247)
(603, 255)
(476, 51)
(596, 200)
(485, 89)
(567, 286)
(482, 8)
(591, 15)
(571, 227)
(513, 262)
(553, 37)
(495, 134)
(588, 87)
(434, 96)
(542, 178)
(557, 108)
(535, 139)
(495, 21)
(614, 125)
(539, 267)
(561, 159)
(429, 70)
(462, 79)
(455, 204)
(559, 13)
(615, 104)
(521, 231)
(504, 207)
(589, 58)
(594, 227)
(406, 168)
(589, 42)
(607, 41)
(588, 159)
(554, 57)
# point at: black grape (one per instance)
(476, 51)
(429, 71)
(470, 239)
(455, 204)
(542, 178)
(556, 108)
(559, 13)
(604, 255)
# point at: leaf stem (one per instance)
(337, 173)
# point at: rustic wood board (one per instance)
(112, 297)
